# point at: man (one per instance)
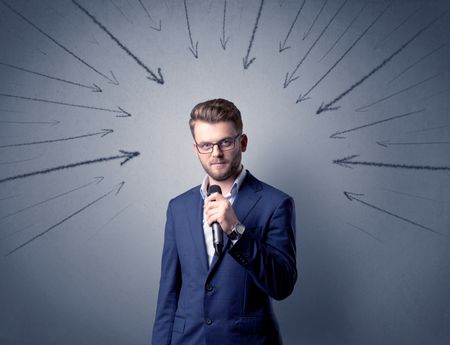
(224, 297)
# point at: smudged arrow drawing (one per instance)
(124, 154)
(246, 63)
(365, 107)
(97, 179)
(386, 143)
(354, 196)
(331, 105)
(338, 135)
(290, 78)
(223, 40)
(116, 190)
(120, 111)
(349, 161)
(315, 20)
(194, 50)
(283, 46)
(93, 87)
(112, 81)
(102, 133)
(303, 97)
(149, 16)
(158, 79)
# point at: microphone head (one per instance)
(214, 189)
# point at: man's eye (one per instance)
(205, 146)
(226, 142)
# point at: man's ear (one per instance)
(244, 142)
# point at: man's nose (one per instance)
(217, 152)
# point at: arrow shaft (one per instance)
(54, 40)
(387, 60)
(255, 27)
(60, 103)
(53, 140)
(124, 48)
(146, 10)
(392, 165)
(420, 143)
(188, 24)
(45, 75)
(293, 23)
(62, 167)
(60, 222)
(315, 19)
(224, 19)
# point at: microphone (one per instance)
(215, 227)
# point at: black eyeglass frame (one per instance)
(218, 143)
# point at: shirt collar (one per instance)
(234, 188)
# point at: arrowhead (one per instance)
(224, 42)
(106, 132)
(123, 112)
(99, 179)
(247, 63)
(351, 196)
(128, 155)
(154, 78)
(384, 143)
(194, 51)
(282, 47)
(301, 98)
(114, 81)
(158, 28)
(344, 161)
(327, 107)
(336, 136)
(96, 88)
(288, 79)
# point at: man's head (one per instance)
(216, 127)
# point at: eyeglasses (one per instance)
(224, 145)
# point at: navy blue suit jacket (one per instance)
(228, 303)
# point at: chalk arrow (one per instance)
(283, 46)
(223, 40)
(124, 154)
(245, 60)
(116, 189)
(52, 123)
(354, 196)
(102, 133)
(345, 162)
(193, 48)
(386, 143)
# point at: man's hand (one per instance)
(218, 209)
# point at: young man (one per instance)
(209, 296)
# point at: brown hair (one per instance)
(216, 110)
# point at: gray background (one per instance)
(372, 271)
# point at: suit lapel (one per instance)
(194, 210)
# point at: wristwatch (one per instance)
(236, 232)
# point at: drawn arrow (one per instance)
(348, 160)
(303, 97)
(354, 196)
(283, 46)
(397, 27)
(344, 32)
(365, 107)
(120, 111)
(150, 16)
(158, 79)
(97, 179)
(102, 133)
(223, 40)
(245, 61)
(194, 50)
(418, 61)
(337, 135)
(116, 189)
(330, 105)
(52, 123)
(121, 12)
(156, 28)
(124, 154)
(315, 20)
(386, 143)
(112, 81)
(94, 87)
(290, 78)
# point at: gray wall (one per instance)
(373, 267)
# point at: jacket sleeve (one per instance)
(269, 253)
(169, 286)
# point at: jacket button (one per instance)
(209, 321)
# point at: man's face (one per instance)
(220, 165)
